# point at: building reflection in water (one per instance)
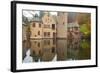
(43, 50)
(61, 49)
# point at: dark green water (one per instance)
(42, 50)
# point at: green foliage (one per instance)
(85, 44)
(85, 52)
(85, 29)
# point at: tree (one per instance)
(85, 30)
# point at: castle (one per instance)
(48, 26)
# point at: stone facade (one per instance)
(36, 29)
(48, 26)
(62, 25)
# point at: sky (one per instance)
(28, 13)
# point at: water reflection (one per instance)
(42, 50)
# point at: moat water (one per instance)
(45, 50)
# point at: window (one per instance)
(35, 35)
(48, 34)
(53, 49)
(38, 32)
(54, 35)
(40, 25)
(53, 26)
(33, 25)
(34, 52)
(48, 42)
(63, 23)
(44, 34)
(38, 44)
(54, 41)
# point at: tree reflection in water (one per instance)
(43, 50)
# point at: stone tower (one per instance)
(62, 25)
